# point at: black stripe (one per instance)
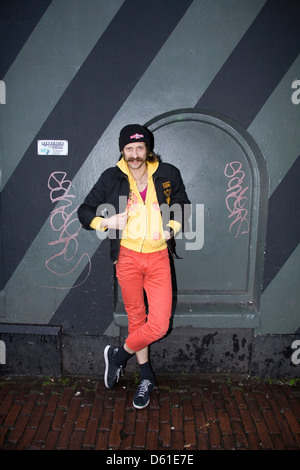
(99, 302)
(283, 226)
(17, 21)
(121, 56)
(240, 89)
(257, 64)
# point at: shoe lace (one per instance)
(143, 388)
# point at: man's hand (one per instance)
(117, 222)
(168, 235)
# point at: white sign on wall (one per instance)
(52, 147)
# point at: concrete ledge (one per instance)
(42, 350)
(204, 315)
(30, 350)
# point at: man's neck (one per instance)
(139, 172)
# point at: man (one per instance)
(138, 191)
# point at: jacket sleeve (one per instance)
(179, 202)
(87, 211)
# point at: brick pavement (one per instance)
(190, 412)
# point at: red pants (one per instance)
(149, 271)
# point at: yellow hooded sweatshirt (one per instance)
(144, 231)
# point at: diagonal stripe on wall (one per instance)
(17, 25)
(160, 83)
(239, 91)
(258, 63)
(275, 129)
(37, 80)
(223, 85)
(89, 114)
(187, 79)
(283, 228)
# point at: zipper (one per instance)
(144, 203)
(146, 216)
(146, 231)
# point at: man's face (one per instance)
(135, 154)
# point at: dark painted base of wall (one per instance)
(33, 350)
(30, 350)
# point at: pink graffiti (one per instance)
(236, 199)
(64, 222)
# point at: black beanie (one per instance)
(134, 133)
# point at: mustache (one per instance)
(137, 159)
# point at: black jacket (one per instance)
(113, 183)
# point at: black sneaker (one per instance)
(142, 396)
(112, 371)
